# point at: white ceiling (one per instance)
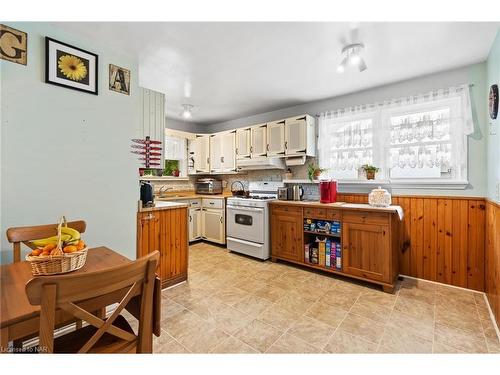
(232, 70)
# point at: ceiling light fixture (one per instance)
(352, 56)
(187, 111)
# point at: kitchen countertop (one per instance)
(341, 206)
(159, 205)
(180, 195)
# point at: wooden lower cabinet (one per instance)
(368, 239)
(287, 235)
(366, 250)
(166, 231)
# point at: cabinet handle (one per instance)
(251, 148)
(267, 147)
(222, 159)
(221, 219)
(190, 218)
(236, 151)
(208, 160)
(286, 145)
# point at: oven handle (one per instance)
(256, 209)
(245, 242)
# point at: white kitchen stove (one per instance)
(248, 220)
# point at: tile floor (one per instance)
(233, 304)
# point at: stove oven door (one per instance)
(246, 223)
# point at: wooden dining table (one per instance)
(19, 319)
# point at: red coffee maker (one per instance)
(328, 191)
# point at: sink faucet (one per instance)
(162, 188)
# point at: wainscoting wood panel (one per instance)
(441, 238)
(493, 257)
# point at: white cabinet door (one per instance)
(198, 150)
(258, 141)
(242, 143)
(195, 218)
(228, 155)
(215, 153)
(276, 138)
(295, 136)
(213, 225)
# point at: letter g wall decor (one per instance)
(13, 45)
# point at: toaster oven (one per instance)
(208, 186)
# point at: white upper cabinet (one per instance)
(300, 136)
(243, 143)
(216, 153)
(276, 138)
(228, 152)
(258, 141)
(198, 149)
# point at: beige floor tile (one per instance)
(415, 308)
(252, 305)
(343, 342)
(202, 340)
(414, 326)
(265, 275)
(250, 285)
(170, 347)
(408, 283)
(176, 290)
(417, 294)
(278, 317)
(296, 276)
(467, 320)
(401, 341)
(190, 297)
(327, 314)
(381, 298)
(232, 345)
(459, 339)
(489, 329)
(341, 299)
(271, 293)
(170, 308)
(230, 295)
(182, 323)
(259, 335)
(440, 348)
(371, 310)
(493, 345)
(312, 331)
(362, 327)
(294, 302)
(291, 344)
(462, 295)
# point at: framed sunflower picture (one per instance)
(70, 67)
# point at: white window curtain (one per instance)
(437, 122)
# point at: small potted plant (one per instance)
(370, 171)
(313, 171)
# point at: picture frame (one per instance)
(71, 67)
(119, 79)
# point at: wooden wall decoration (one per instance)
(442, 238)
(493, 257)
(13, 45)
(119, 79)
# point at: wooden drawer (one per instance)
(213, 203)
(285, 209)
(333, 214)
(366, 217)
(315, 213)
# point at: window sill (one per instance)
(363, 185)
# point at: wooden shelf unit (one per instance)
(368, 239)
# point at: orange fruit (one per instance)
(49, 247)
(56, 251)
(36, 252)
(70, 249)
(80, 245)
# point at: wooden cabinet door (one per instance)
(173, 245)
(366, 251)
(258, 141)
(242, 143)
(148, 234)
(228, 154)
(287, 236)
(194, 224)
(213, 225)
(295, 136)
(216, 153)
(276, 138)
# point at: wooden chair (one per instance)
(110, 335)
(23, 235)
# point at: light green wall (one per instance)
(64, 152)
(493, 140)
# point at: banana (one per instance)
(75, 235)
(50, 240)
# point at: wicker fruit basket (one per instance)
(59, 262)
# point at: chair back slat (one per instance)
(18, 235)
(65, 292)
